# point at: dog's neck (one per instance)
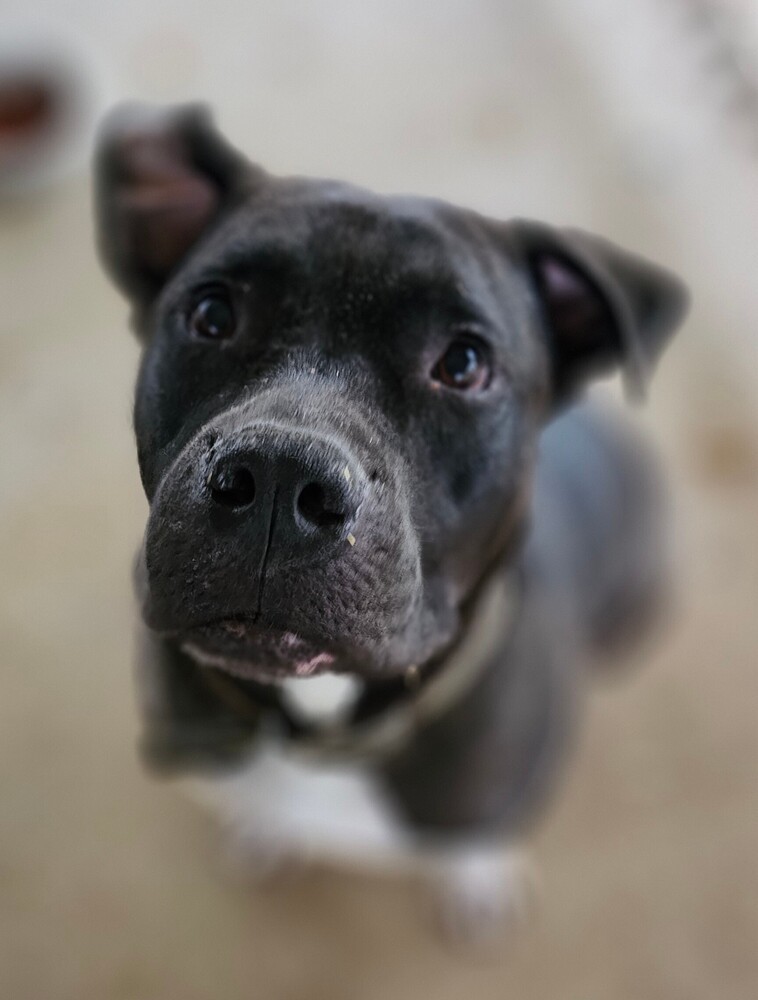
(369, 720)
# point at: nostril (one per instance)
(316, 508)
(232, 486)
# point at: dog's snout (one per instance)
(245, 507)
(308, 485)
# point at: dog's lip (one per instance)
(240, 647)
(261, 670)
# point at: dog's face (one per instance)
(340, 394)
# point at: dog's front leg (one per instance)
(185, 727)
(471, 781)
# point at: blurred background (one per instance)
(634, 118)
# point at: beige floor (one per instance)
(109, 887)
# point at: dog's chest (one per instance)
(305, 804)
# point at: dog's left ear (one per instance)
(602, 307)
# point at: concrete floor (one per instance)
(109, 886)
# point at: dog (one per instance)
(386, 535)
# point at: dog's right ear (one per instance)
(162, 178)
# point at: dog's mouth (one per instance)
(247, 651)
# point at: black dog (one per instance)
(339, 418)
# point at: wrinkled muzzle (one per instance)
(274, 546)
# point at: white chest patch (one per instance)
(333, 812)
(334, 809)
(326, 699)
(284, 800)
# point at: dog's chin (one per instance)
(253, 654)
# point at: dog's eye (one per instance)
(464, 365)
(213, 317)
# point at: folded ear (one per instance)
(162, 178)
(603, 308)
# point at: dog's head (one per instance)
(340, 393)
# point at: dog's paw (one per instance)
(259, 858)
(478, 896)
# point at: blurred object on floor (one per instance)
(51, 96)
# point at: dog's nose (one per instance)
(310, 487)
(231, 484)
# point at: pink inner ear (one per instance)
(559, 279)
(165, 204)
(577, 313)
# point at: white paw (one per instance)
(478, 895)
(259, 857)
